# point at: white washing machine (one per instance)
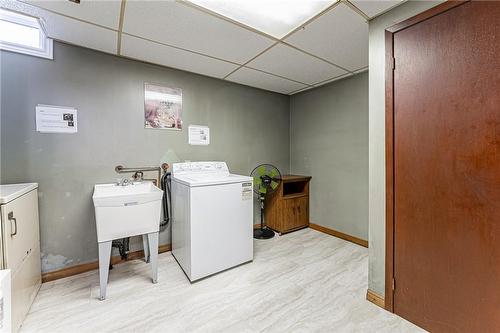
(212, 225)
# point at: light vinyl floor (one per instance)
(305, 281)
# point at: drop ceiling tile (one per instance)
(102, 12)
(340, 36)
(67, 29)
(80, 33)
(361, 70)
(253, 78)
(288, 62)
(302, 90)
(333, 79)
(375, 7)
(179, 25)
(141, 49)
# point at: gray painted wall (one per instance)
(248, 126)
(376, 214)
(329, 141)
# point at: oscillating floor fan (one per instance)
(266, 179)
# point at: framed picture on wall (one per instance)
(162, 107)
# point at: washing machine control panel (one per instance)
(199, 168)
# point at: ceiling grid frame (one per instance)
(120, 27)
(277, 75)
(356, 9)
(277, 41)
(181, 48)
(281, 40)
(368, 17)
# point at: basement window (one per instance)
(23, 34)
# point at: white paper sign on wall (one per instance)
(199, 135)
(55, 119)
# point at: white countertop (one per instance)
(10, 192)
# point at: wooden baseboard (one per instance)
(375, 298)
(339, 234)
(82, 268)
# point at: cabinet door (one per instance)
(290, 215)
(302, 211)
(296, 213)
(21, 233)
(25, 284)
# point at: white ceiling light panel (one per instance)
(340, 36)
(180, 25)
(288, 62)
(273, 17)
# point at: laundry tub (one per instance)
(125, 211)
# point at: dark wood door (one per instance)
(447, 170)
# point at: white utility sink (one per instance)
(125, 211)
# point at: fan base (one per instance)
(263, 233)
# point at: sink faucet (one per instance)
(123, 182)
(138, 176)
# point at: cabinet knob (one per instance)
(11, 218)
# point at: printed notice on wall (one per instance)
(199, 135)
(55, 119)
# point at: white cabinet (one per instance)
(21, 245)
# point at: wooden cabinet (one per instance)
(287, 209)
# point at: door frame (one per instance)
(389, 139)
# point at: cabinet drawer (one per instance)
(21, 231)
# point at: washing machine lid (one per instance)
(205, 174)
(194, 181)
